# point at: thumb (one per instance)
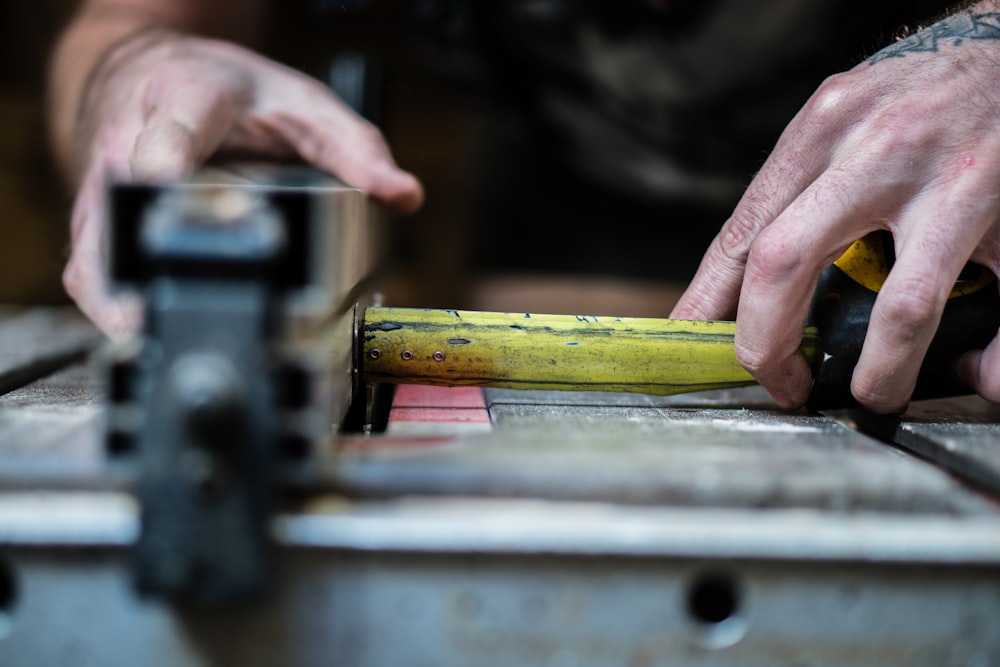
(185, 123)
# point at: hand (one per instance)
(908, 141)
(163, 102)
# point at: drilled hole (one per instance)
(120, 443)
(713, 599)
(8, 596)
(714, 604)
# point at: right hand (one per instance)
(907, 142)
(163, 102)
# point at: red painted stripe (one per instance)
(418, 404)
(439, 415)
(422, 396)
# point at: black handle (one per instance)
(841, 311)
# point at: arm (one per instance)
(144, 89)
(908, 141)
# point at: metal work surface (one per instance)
(38, 341)
(682, 457)
(582, 529)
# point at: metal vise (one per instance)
(213, 407)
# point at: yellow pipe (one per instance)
(565, 352)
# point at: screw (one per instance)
(439, 356)
(407, 355)
(374, 353)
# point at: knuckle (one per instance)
(161, 151)
(696, 310)
(909, 314)
(891, 138)
(79, 278)
(754, 358)
(73, 279)
(738, 234)
(318, 147)
(833, 99)
(872, 393)
(773, 258)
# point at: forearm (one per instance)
(100, 29)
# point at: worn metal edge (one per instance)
(541, 528)
(596, 529)
(974, 474)
(74, 339)
(36, 369)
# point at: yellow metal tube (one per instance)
(564, 352)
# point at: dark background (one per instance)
(456, 88)
(33, 204)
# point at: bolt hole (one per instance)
(8, 596)
(119, 444)
(713, 602)
(712, 599)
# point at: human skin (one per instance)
(149, 89)
(907, 141)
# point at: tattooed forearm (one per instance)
(951, 31)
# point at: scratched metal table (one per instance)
(532, 528)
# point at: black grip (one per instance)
(841, 310)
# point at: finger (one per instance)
(980, 371)
(330, 135)
(804, 151)
(714, 291)
(185, 121)
(117, 316)
(84, 277)
(783, 267)
(931, 249)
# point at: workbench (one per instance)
(503, 528)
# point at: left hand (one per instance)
(909, 142)
(166, 104)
